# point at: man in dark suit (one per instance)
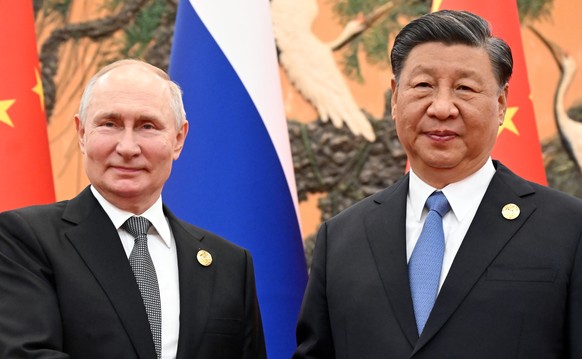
(509, 278)
(69, 287)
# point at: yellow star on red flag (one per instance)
(508, 121)
(436, 5)
(4, 106)
(38, 89)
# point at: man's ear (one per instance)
(180, 139)
(80, 133)
(393, 106)
(502, 101)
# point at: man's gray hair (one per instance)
(176, 103)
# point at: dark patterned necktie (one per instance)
(426, 261)
(145, 275)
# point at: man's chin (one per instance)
(129, 190)
(440, 162)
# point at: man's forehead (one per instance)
(131, 73)
(456, 53)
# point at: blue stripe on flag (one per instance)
(230, 180)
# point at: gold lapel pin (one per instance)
(510, 211)
(204, 258)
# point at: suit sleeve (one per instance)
(574, 315)
(254, 345)
(314, 335)
(30, 325)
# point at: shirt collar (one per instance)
(461, 195)
(154, 214)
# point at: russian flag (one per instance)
(235, 174)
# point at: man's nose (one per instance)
(443, 105)
(128, 145)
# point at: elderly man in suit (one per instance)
(491, 267)
(112, 273)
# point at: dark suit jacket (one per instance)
(67, 290)
(514, 289)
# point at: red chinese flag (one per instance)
(518, 144)
(26, 174)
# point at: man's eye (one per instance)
(109, 124)
(422, 84)
(148, 126)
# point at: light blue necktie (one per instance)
(425, 264)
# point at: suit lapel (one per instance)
(488, 234)
(98, 244)
(196, 286)
(386, 233)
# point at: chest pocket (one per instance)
(507, 274)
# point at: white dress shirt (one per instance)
(162, 248)
(463, 196)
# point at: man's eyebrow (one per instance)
(117, 116)
(146, 117)
(109, 115)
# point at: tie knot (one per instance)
(438, 202)
(137, 226)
